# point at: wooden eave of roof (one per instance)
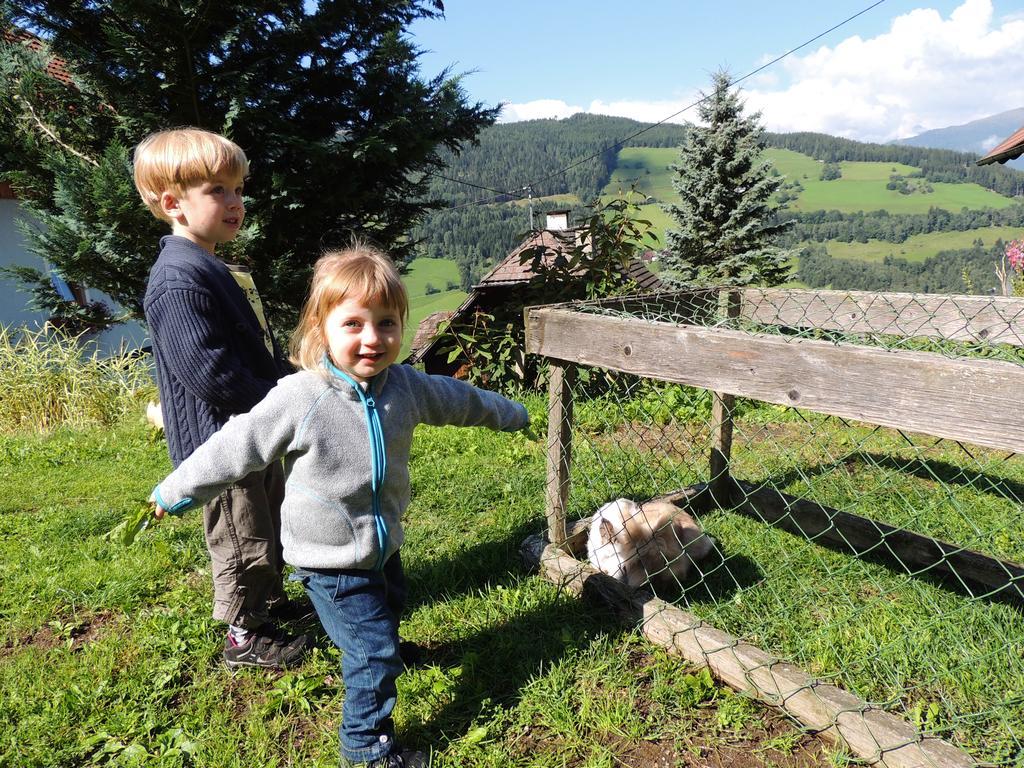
(419, 352)
(427, 328)
(1009, 149)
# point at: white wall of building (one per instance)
(15, 309)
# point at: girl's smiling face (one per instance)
(362, 338)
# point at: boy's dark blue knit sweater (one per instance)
(211, 361)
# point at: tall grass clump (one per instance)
(50, 379)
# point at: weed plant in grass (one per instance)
(51, 379)
(108, 656)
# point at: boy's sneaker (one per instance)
(267, 647)
(404, 759)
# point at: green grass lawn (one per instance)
(920, 247)
(108, 656)
(946, 661)
(423, 272)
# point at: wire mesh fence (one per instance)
(850, 462)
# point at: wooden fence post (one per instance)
(721, 421)
(563, 377)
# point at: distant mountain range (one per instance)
(976, 136)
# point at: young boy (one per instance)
(215, 358)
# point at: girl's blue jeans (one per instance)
(360, 611)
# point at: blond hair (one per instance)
(359, 271)
(179, 158)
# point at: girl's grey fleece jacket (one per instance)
(347, 471)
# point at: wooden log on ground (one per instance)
(873, 735)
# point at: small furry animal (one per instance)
(654, 541)
(154, 415)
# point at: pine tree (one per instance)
(326, 99)
(726, 213)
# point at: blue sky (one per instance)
(898, 69)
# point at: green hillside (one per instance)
(646, 168)
(921, 247)
(910, 202)
(438, 273)
(861, 188)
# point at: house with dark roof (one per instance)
(506, 286)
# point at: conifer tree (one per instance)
(726, 213)
(326, 99)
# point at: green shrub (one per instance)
(51, 379)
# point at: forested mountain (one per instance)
(477, 227)
(969, 270)
(574, 159)
(976, 136)
(822, 226)
(571, 156)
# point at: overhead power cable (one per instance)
(470, 184)
(620, 142)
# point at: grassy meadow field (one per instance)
(423, 272)
(861, 188)
(920, 247)
(108, 655)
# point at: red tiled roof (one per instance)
(1009, 149)
(56, 67)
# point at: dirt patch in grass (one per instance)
(767, 741)
(75, 633)
(684, 442)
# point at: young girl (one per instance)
(343, 425)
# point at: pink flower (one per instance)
(1015, 254)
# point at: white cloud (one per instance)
(648, 111)
(990, 142)
(925, 72)
(535, 110)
